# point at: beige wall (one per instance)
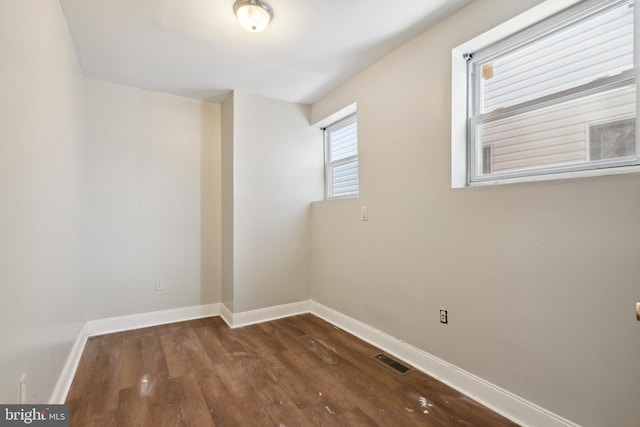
(147, 159)
(540, 279)
(227, 201)
(277, 172)
(211, 204)
(41, 151)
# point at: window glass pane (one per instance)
(342, 158)
(345, 179)
(486, 160)
(612, 140)
(597, 47)
(595, 127)
(344, 141)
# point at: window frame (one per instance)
(518, 30)
(330, 164)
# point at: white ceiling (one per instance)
(196, 48)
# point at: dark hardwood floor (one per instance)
(298, 371)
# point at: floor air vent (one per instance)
(392, 363)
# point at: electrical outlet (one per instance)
(23, 388)
(160, 285)
(443, 315)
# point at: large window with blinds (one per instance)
(559, 96)
(341, 158)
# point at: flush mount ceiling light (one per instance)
(254, 15)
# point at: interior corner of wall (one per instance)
(333, 117)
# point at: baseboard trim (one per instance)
(63, 385)
(119, 324)
(227, 315)
(490, 395)
(246, 318)
(144, 320)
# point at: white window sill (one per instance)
(558, 176)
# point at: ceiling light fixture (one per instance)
(254, 15)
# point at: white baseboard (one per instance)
(118, 324)
(63, 385)
(246, 318)
(227, 315)
(498, 399)
(490, 395)
(144, 320)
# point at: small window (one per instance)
(486, 160)
(341, 158)
(559, 96)
(613, 139)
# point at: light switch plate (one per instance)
(364, 214)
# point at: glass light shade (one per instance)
(254, 16)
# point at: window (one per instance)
(555, 97)
(341, 158)
(611, 140)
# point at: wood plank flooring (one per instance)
(298, 371)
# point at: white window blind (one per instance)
(560, 96)
(341, 146)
